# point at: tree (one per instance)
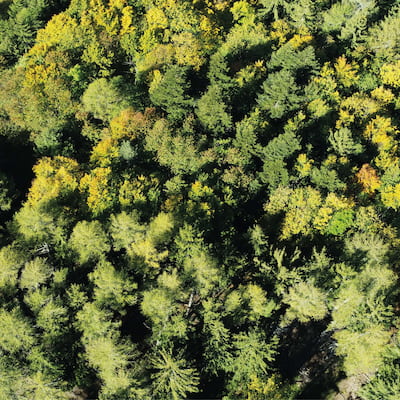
(343, 143)
(213, 112)
(11, 262)
(89, 241)
(36, 225)
(35, 273)
(301, 206)
(148, 250)
(362, 350)
(100, 193)
(348, 18)
(105, 99)
(217, 351)
(16, 333)
(172, 379)
(306, 302)
(280, 94)
(368, 179)
(362, 342)
(274, 6)
(251, 356)
(386, 382)
(113, 288)
(179, 152)
(384, 37)
(56, 178)
(112, 361)
(170, 93)
(125, 229)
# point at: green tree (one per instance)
(105, 98)
(179, 152)
(306, 302)
(35, 273)
(218, 349)
(251, 357)
(89, 241)
(113, 288)
(16, 333)
(343, 143)
(280, 94)
(171, 93)
(212, 111)
(11, 262)
(172, 379)
(386, 383)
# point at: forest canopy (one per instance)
(199, 199)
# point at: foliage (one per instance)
(199, 198)
(172, 379)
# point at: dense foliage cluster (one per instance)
(213, 209)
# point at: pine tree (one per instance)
(172, 379)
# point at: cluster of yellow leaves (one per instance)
(136, 191)
(302, 38)
(97, 186)
(385, 96)
(188, 50)
(105, 152)
(380, 131)
(318, 108)
(327, 83)
(346, 72)
(305, 208)
(127, 125)
(62, 30)
(172, 203)
(156, 19)
(368, 179)
(210, 32)
(250, 73)
(199, 197)
(243, 12)
(114, 16)
(54, 177)
(303, 165)
(332, 204)
(300, 204)
(214, 6)
(176, 30)
(358, 106)
(390, 74)
(280, 31)
(37, 75)
(390, 196)
(261, 390)
(198, 190)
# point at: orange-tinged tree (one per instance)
(368, 178)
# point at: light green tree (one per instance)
(35, 273)
(105, 98)
(173, 379)
(252, 355)
(113, 288)
(89, 241)
(306, 302)
(16, 333)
